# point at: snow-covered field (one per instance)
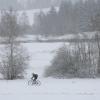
(50, 89)
(41, 55)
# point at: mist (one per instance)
(31, 4)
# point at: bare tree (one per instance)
(95, 24)
(14, 59)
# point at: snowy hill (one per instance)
(31, 13)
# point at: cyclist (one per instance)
(34, 76)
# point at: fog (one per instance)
(30, 4)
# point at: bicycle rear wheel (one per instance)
(30, 82)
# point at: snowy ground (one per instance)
(41, 55)
(50, 89)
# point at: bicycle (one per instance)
(32, 82)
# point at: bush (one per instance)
(14, 67)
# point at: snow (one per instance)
(84, 35)
(41, 55)
(51, 89)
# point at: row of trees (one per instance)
(81, 60)
(13, 59)
(78, 59)
(68, 18)
(22, 24)
(71, 18)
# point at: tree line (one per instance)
(70, 18)
(22, 23)
(76, 60)
(80, 60)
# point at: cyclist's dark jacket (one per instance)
(34, 76)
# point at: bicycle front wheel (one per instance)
(38, 83)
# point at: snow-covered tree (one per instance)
(14, 59)
(78, 62)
